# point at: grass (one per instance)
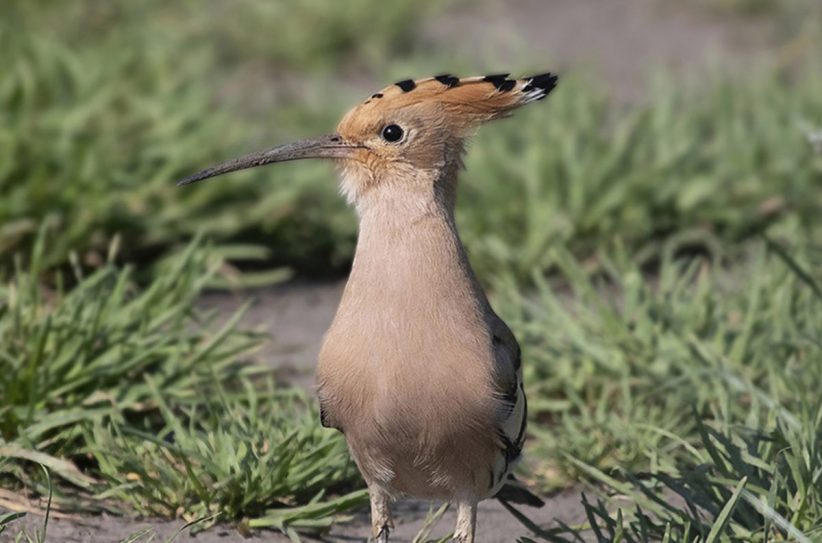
(687, 384)
(696, 172)
(618, 349)
(95, 130)
(71, 357)
(136, 402)
(659, 262)
(684, 386)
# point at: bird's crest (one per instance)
(490, 94)
(468, 101)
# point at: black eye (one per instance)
(392, 133)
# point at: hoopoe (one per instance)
(417, 371)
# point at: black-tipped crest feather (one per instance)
(448, 80)
(406, 85)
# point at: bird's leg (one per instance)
(381, 523)
(466, 521)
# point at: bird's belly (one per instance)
(418, 416)
(434, 458)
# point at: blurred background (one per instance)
(671, 119)
(652, 231)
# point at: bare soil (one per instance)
(494, 523)
(623, 41)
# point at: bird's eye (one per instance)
(392, 133)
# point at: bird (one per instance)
(417, 371)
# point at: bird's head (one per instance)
(409, 134)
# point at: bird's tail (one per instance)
(513, 491)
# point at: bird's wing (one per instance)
(512, 410)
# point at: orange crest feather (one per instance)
(468, 101)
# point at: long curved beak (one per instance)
(328, 146)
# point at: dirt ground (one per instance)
(622, 41)
(494, 523)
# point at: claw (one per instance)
(382, 537)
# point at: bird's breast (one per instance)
(406, 370)
(405, 360)
(411, 395)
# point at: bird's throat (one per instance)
(410, 256)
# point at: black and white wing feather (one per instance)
(512, 408)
